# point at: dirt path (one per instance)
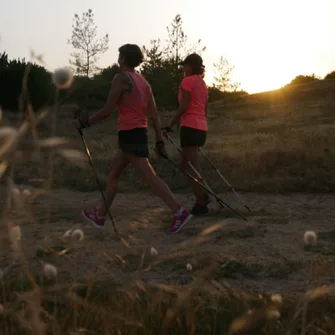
(265, 254)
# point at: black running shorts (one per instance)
(190, 137)
(134, 141)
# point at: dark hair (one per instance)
(195, 62)
(132, 54)
(200, 70)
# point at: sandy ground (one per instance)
(265, 254)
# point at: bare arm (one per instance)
(120, 83)
(154, 117)
(185, 100)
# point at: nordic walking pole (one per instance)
(224, 179)
(96, 178)
(204, 187)
(190, 164)
(80, 131)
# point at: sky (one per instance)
(268, 42)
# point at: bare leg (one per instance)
(120, 162)
(157, 185)
(192, 154)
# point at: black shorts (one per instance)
(134, 141)
(190, 137)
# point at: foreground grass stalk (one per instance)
(50, 165)
(304, 318)
(2, 279)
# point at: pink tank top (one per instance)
(132, 107)
(195, 115)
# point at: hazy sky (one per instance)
(268, 41)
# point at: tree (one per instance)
(158, 70)
(330, 75)
(84, 39)
(154, 56)
(91, 93)
(223, 81)
(177, 39)
(177, 43)
(3, 60)
(177, 49)
(108, 73)
(161, 67)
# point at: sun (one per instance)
(270, 43)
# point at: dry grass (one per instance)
(121, 286)
(53, 283)
(261, 148)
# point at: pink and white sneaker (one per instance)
(93, 217)
(179, 221)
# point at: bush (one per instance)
(214, 94)
(330, 76)
(302, 79)
(39, 83)
(91, 93)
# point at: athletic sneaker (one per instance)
(179, 221)
(199, 209)
(93, 217)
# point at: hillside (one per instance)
(278, 141)
(218, 271)
(313, 91)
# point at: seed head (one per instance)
(62, 78)
(74, 156)
(310, 237)
(16, 191)
(153, 252)
(273, 314)
(189, 267)
(277, 298)
(49, 271)
(78, 234)
(26, 193)
(68, 233)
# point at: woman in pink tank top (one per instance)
(131, 95)
(192, 112)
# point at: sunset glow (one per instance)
(268, 42)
